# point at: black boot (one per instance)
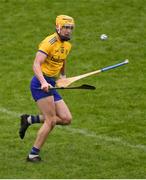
(23, 125)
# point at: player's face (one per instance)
(66, 31)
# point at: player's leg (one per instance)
(47, 107)
(63, 113)
(63, 116)
(26, 120)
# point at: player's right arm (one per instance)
(39, 59)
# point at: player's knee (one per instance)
(51, 121)
(67, 119)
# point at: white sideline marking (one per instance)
(85, 133)
(104, 138)
(6, 111)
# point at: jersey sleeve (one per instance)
(45, 47)
(69, 46)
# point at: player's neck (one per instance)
(59, 38)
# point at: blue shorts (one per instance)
(37, 93)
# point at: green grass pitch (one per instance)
(107, 138)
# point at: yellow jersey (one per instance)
(56, 52)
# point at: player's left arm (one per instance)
(63, 70)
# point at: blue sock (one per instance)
(35, 151)
(35, 119)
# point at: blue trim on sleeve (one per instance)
(43, 52)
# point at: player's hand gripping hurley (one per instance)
(67, 81)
